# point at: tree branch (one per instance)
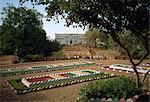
(144, 56)
(145, 75)
(120, 44)
(115, 37)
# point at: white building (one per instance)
(70, 39)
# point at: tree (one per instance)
(51, 47)
(92, 36)
(133, 43)
(96, 38)
(112, 16)
(22, 33)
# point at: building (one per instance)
(70, 39)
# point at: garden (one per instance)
(42, 82)
(126, 68)
(44, 68)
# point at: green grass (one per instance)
(17, 84)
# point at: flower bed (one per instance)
(46, 78)
(48, 81)
(45, 68)
(127, 68)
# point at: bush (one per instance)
(36, 57)
(114, 88)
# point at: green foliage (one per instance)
(21, 31)
(51, 47)
(58, 55)
(36, 57)
(108, 14)
(91, 36)
(114, 88)
(95, 37)
(17, 84)
(22, 34)
(55, 45)
(133, 43)
(111, 44)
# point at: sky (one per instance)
(51, 27)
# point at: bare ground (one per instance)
(60, 94)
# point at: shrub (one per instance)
(36, 57)
(114, 88)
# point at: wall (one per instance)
(70, 39)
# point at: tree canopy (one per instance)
(96, 38)
(134, 44)
(108, 14)
(92, 36)
(22, 33)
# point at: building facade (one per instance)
(70, 39)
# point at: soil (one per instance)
(61, 94)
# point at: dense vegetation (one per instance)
(95, 38)
(22, 34)
(116, 88)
